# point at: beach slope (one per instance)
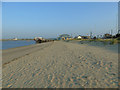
(61, 65)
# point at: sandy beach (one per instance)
(59, 64)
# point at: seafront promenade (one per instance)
(59, 64)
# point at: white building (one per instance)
(78, 37)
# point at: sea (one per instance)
(15, 43)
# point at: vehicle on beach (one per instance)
(41, 40)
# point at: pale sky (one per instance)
(50, 19)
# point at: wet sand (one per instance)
(60, 65)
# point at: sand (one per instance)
(60, 65)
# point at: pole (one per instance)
(111, 31)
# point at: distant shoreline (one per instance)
(14, 40)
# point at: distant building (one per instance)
(107, 36)
(15, 39)
(64, 37)
(85, 37)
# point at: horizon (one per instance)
(51, 19)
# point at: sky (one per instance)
(50, 19)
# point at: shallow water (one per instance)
(105, 45)
(13, 44)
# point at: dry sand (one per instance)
(61, 65)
